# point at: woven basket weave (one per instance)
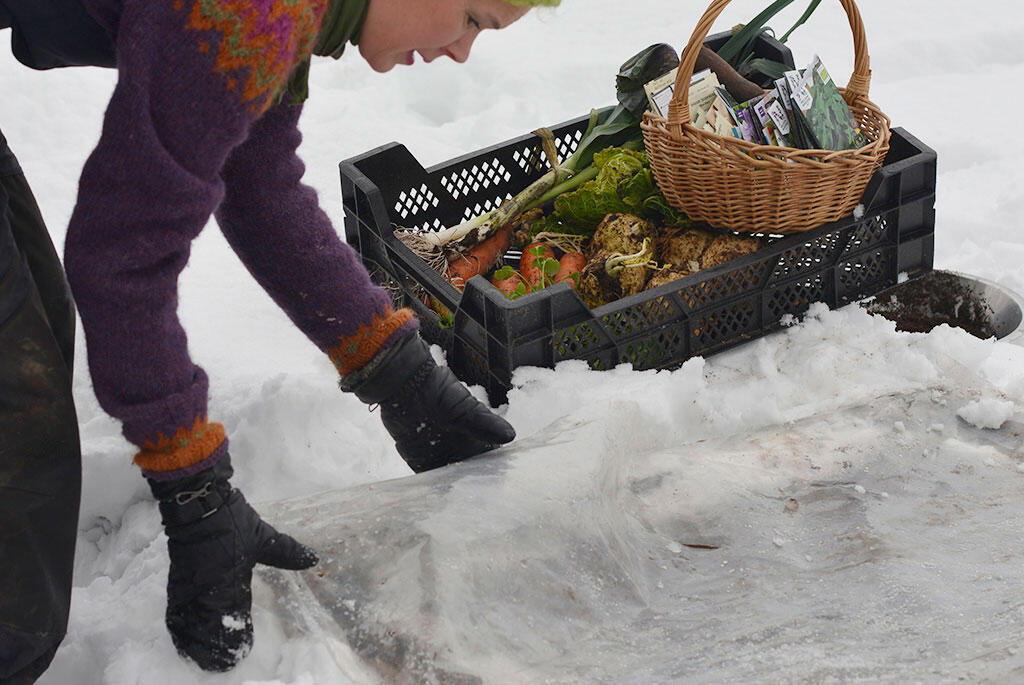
(732, 183)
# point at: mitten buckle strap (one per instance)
(187, 506)
(183, 498)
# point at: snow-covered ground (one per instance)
(944, 70)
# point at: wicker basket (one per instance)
(742, 186)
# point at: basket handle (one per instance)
(679, 107)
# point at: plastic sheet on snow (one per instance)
(875, 541)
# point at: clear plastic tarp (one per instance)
(875, 541)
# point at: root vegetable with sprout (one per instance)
(620, 261)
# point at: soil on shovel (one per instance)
(920, 305)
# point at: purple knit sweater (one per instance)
(191, 130)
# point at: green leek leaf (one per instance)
(803, 18)
(770, 68)
(737, 48)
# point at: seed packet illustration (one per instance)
(825, 112)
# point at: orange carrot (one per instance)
(532, 273)
(435, 304)
(479, 259)
(506, 279)
(571, 264)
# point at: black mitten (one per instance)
(426, 409)
(214, 539)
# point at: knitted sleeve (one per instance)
(276, 226)
(193, 77)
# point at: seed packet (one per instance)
(827, 116)
(787, 104)
(701, 95)
(744, 120)
(773, 116)
(796, 90)
(749, 125)
(720, 117)
(768, 126)
(796, 138)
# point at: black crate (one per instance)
(890, 233)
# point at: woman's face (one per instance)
(395, 30)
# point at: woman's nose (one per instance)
(459, 50)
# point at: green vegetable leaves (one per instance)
(504, 274)
(642, 67)
(771, 69)
(548, 267)
(624, 184)
(657, 205)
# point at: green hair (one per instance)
(534, 3)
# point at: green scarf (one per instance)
(342, 23)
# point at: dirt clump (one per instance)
(920, 305)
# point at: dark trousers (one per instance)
(40, 456)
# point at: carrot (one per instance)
(479, 259)
(506, 279)
(443, 313)
(532, 273)
(570, 266)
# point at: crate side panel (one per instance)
(809, 257)
(865, 274)
(579, 341)
(716, 327)
(657, 348)
(749, 275)
(916, 257)
(471, 321)
(479, 183)
(632, 320)
(872, 231)
(795, 297)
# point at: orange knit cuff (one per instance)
(353, 351)
(188, 446)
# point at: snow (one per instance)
(233, 622)
(987, 413)
(724, 432)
